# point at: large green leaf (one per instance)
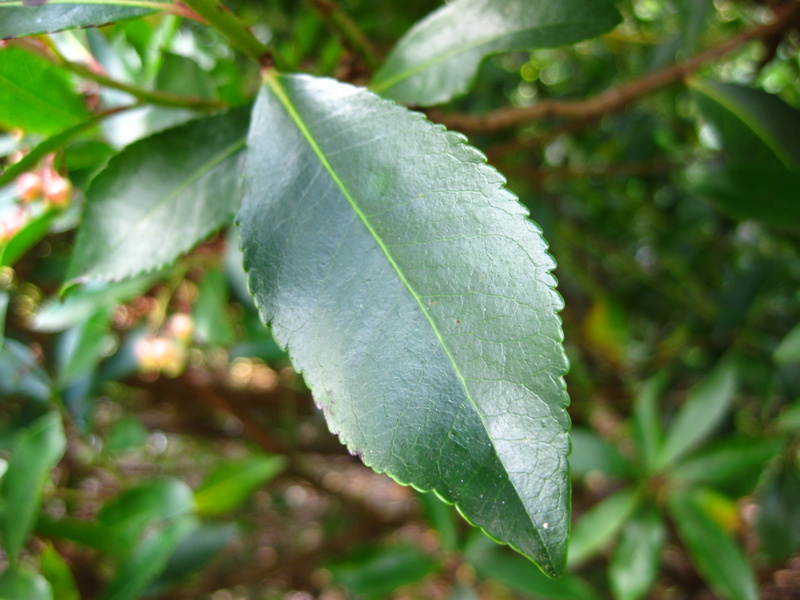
(17, 19)
(38, 450)
(35, 95)
(438, 58)
(716, 555)
(159, 197)
(416, 299)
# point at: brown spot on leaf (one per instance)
(34, 2)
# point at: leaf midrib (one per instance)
(272, 80)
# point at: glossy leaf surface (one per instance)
(35, 95)
(17, 20)
(159, 197)
(416, 299)
(36, 453)
(438, 59)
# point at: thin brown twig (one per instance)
(616, 98)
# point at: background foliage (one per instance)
(156, 441)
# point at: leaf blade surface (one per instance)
(438, 59)
(416, 299)
(17, 20)
(159, 197)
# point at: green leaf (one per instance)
(136, 509)
(32, 158)
(159, 197)
(26, 238)
(193, 552)
(788, 351)
(494, 562)
(231, 484)
(749, 119)
(81, 302)
(212, 324)
(83, 347)
(147, 560)
(55, 569)
(716, 555)
(636, 560)
(647, 422)
(36, 453)
(416, 299)
(439, 57)
(375, 572)
(441, 517)
(778, 523)
(17, 20)
(704, 408)
(20, 374)
(35, 95)
(747, 190)
(733, 465)
(592, 453)
(599, 524)
(21, 584)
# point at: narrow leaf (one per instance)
(439, 57)
(159, 197)
(599, 524)
(733, 465)
(592, 453)
(417, 300)
(778, 522)
(38, 450)
(635, 563)
(647, 422)
(700, 414)
(716, 555)
(788, 351)
(35, 95)
(17, 20)
(58, 574)
(493, 562)
(231, 484)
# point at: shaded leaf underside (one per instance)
(438, 59)
(416, 299)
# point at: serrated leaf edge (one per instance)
(272, 81)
